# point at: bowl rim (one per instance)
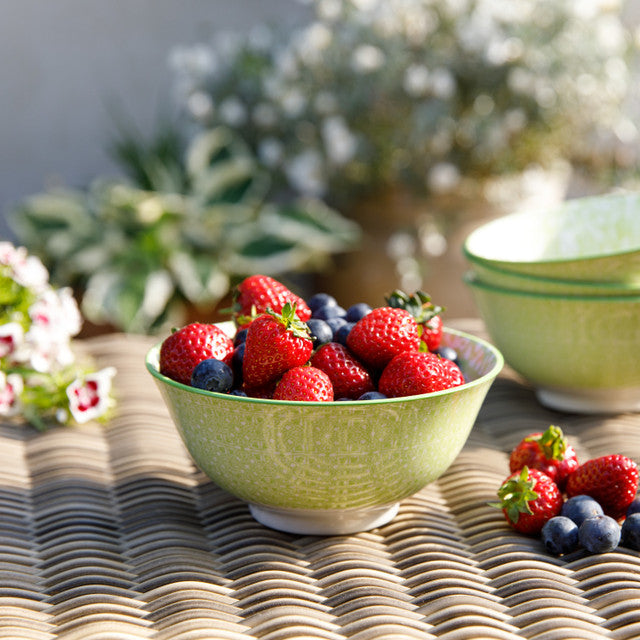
(152, 356)
(501, 269)
(473, 280)
(559, 209)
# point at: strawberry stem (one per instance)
(515, 495)
(552, 443)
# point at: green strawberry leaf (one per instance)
(515, 494)
(419, 305)
(552, 443)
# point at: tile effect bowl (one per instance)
(580, 353)
(505, 279)
(330, 468)
(594, 239)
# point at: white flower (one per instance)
(200, 105)
(443, 177)
(416, 80)
(89, 397)
(270, 152)
(11, 387)
(443, 84)
(11, 338)
(26, 270)
(293, 102)
(264, 115)
(367, 58)
(339, 142)
(232, 112)
(304, 172)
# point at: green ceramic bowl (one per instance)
(594, 239)
(330, 468)
(580, 353)
(502, 278)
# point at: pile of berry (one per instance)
(592, 505)
(287, 348)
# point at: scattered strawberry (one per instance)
(528, 499)
(304, 383)
(612, 480)
(275, 343)
(350, 379)
(412, 373)
(258, 293)
(456, 377)
(382, 334)
(548, 452)
(419, 305)
(187, 347)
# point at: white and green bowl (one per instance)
(330, 468)
(594, 239)
(580, 353)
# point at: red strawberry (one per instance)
(275, 343)
(412, 373)
(186, 347)
(419, 305)
(528, 499)
(256, 294)
(304, 383)
(611, 480)
(350, 379)
(456, 377)
(382, 334)
(548, 452)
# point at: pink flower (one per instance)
(27, 270)
(11, 337)
(10, 389)
(89, 397)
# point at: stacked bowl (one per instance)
(559, 292)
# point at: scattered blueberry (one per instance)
(238, 392)
(357, 311)
(212, 375)
(581, 507)
(330, 311)
(240, 337)
(321, 332)
(319, 300)
(372, 395)
(236, 363)
(599, 534)
(335, 324)
(341, 334)
(630, 531)
(448, 352)
(560, 535)
(634, 507)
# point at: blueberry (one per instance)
(236, 363)
(630, 531)
(320, 331)
(330, 311)
(238, 392)
(581, 507)
(634, 507)
(560, 535)
(335, 324)
(240, 337)
(599, 534)
(341, 334)
(320, 300)
(212, 375)
(448, 352)
(357, 311)
(372, 395)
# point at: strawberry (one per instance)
(382, 334)
(548, 452)
(528, 499)
(275, 343)
(419, 305)
(456, 378)
(187, 347)
(349, 377)
(304, 383)
(258, 293)
(412, 373)
(611, 480)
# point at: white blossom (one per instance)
(340, 143)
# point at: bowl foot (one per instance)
(323, 521)
(590, 400)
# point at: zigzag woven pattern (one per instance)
(110, 532)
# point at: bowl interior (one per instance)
(581, 229)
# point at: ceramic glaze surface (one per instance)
(341, 455)
(595, 239)
(556, 342)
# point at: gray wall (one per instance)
(65, 63)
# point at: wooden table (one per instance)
(110, 532)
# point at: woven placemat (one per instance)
(110, 532)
